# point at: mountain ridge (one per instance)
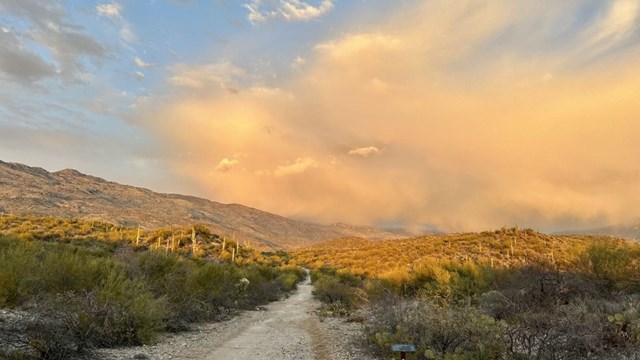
(628, 230)
(27, 190)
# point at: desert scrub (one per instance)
(338, 291)
(82, 295)
(438, 332)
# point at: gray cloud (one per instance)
(20, 64)
(67, 43)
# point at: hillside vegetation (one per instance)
(506, 294)
(68, 286)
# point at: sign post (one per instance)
(403, 349)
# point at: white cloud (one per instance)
(109, 10)
(290, 10)
(298, 167)
(226, 164)
(365, 151)
(141, 63)
(297, 10)
(255, 15)
(139, 75)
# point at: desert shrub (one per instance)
(438, 332)
(128, 312)
(288, 281)
(616, 263)
(330, 290)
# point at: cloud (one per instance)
(226, 164)
(19, 64)
(291, 10)
(475, 134)
(297, 10)
(109, 10)
(65, 47)
(141, 63)
(364, 151)
(298, 62)
(139, 75)
(205, 76)
(617, 25)
(113, 12)
(298, 167)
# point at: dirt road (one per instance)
(287, 329)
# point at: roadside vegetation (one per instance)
(508, 294)
(70, 286)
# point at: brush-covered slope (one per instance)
(505, 248)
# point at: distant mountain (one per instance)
(629, 231)
(26, 190)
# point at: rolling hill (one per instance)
(26, 190)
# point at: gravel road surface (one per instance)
(287, 329)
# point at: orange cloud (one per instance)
(476, 133)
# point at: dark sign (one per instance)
(403, 348)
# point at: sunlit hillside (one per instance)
(194, 241)
(504, 248)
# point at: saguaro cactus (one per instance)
(194, 245)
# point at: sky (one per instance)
(422, 114)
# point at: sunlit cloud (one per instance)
(226, 164)
(297, 167)
(364, 151)
(485, 121)
(141, 63)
